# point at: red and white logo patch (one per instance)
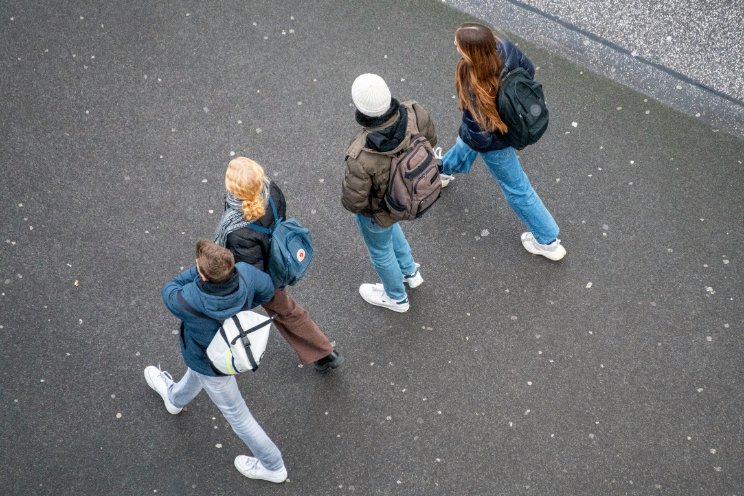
(301, 254)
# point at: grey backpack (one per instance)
(414, 183)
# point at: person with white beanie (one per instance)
(384, 134)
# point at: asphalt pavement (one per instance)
(616, 371)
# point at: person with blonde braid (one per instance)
(485, 58)
(248, 192)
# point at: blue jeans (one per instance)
(389, 253)
(506, 169)
(223, 391)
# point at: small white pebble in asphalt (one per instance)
(588, 285)
(575, 124)
(118, 415)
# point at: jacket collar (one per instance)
(381, 122)
(220, 288)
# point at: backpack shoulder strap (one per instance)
(412, 119)
(357, 145)
(186, 306)
(267, 230)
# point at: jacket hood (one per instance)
(386, 134)
(215, 306)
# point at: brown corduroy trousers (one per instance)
(297, 327)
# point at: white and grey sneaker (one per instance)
(414, 280)
(160, 381)
(554, 251)
(375, 294)
(445, 178)
(253, 469)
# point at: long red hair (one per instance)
(478, 74)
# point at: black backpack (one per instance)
(522, 107)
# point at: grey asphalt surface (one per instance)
(616, 371)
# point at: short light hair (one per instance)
(215, 262)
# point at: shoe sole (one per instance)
(399, 310)
(277, 481)
(549, 256)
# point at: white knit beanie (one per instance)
(371, 95)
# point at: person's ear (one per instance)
(199, 271)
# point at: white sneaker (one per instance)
(375, 294)
(254, 469)
(554, 251)
(159, 381)
(415, 280)
(445, 178)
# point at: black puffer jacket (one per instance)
(470, 132)
(250, 246)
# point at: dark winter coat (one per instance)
(252, 247)
(247, 288)
(470, 131)
(369, 155)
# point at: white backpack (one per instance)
(240, 342)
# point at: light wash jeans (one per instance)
(389, 253)
(224, 392)
(506, 169)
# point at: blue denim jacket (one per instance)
(470, 132)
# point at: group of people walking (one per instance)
(230, 270)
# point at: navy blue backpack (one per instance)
(290, 249)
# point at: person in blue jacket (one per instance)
(218, 288)
(485, 58)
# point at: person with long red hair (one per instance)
(484, 59)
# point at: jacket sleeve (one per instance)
(263, 288)
(425, 124)
(515, 58)
(356, 187)
(171, 289)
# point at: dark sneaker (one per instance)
(332, 361)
